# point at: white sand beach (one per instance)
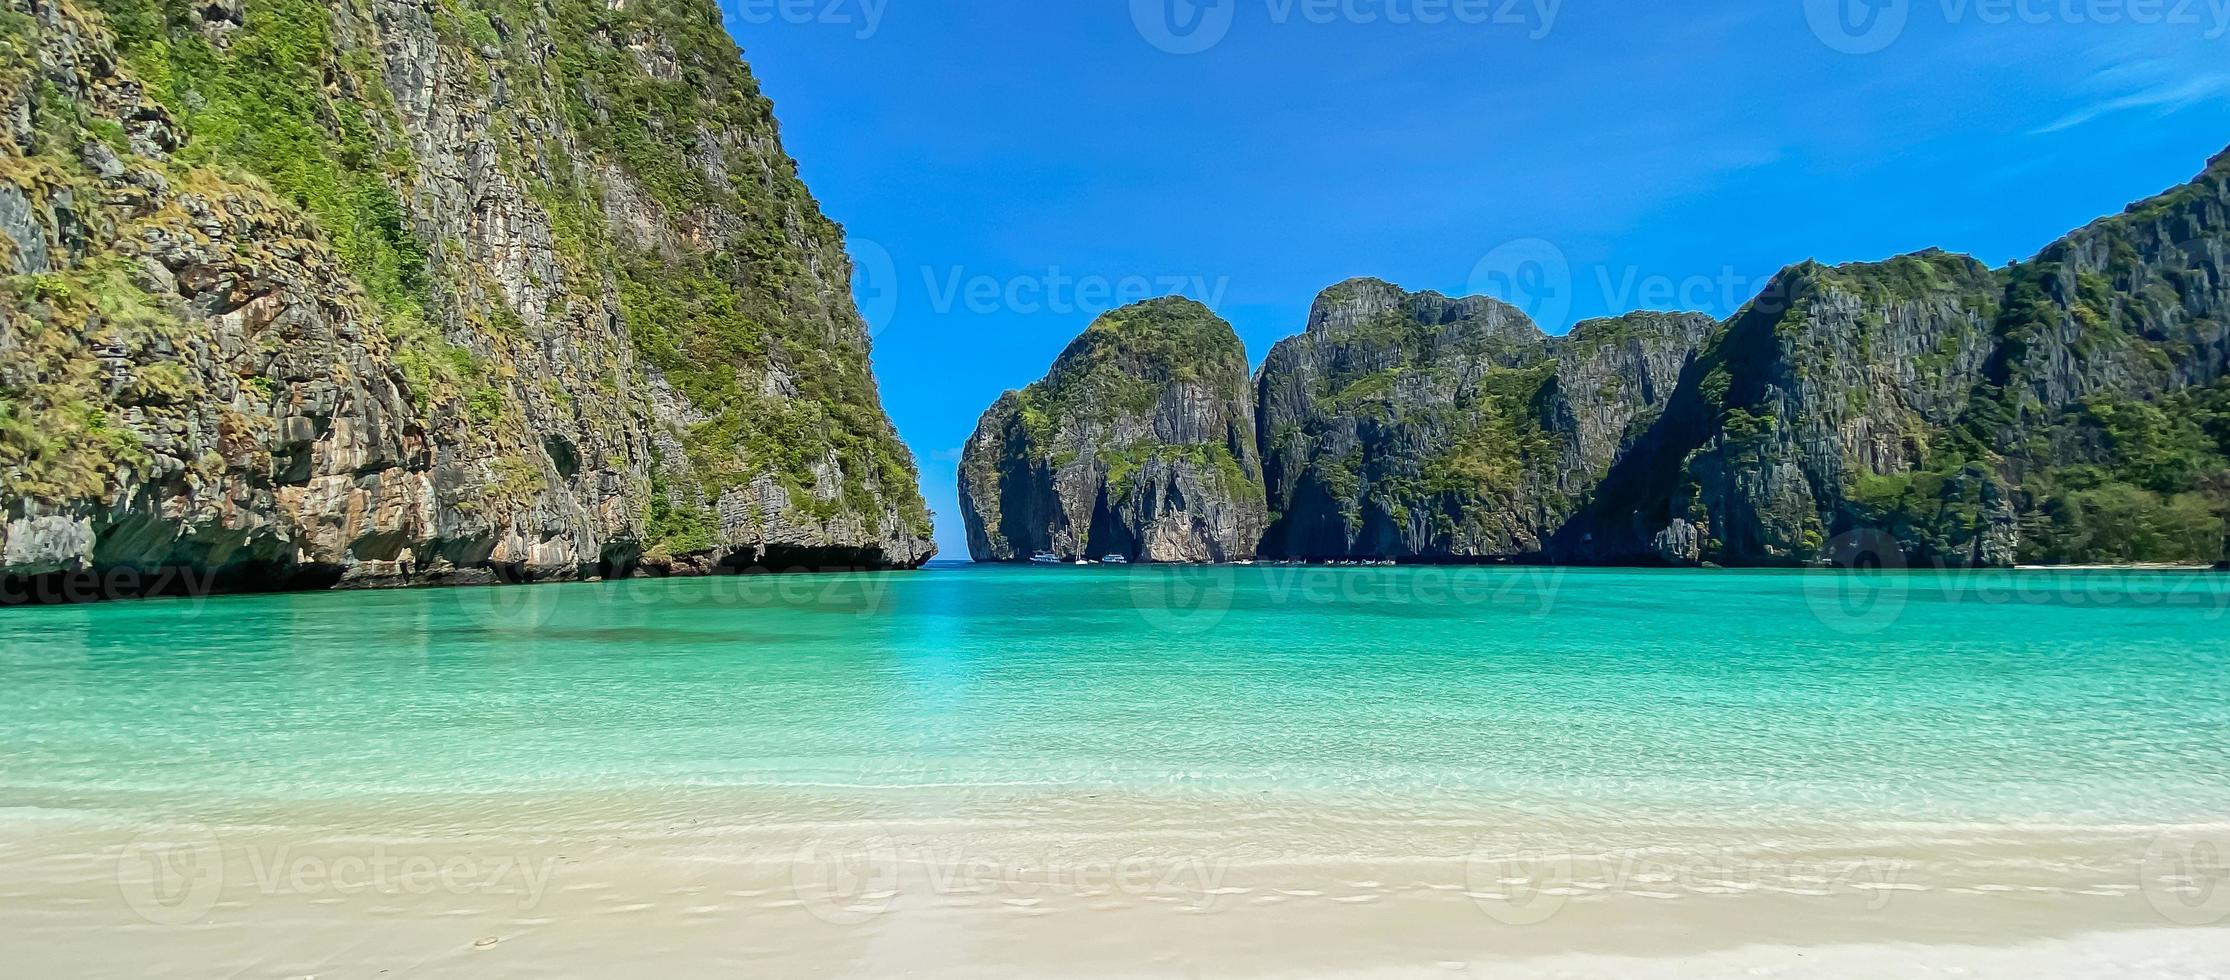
(1107, 889)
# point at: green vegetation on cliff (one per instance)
(1498, 438)
(1139, 441)
(546, 256)
(2061, 410)
(1418, 426)
(706, 321)
(266, 105)
(2159, 489)
(712, 323)
(1125, 359)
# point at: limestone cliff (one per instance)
(1414, 426)
(1139, 443)
(1926, 410)
(370, 292)
(2068, 409)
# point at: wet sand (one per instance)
(1100, 888)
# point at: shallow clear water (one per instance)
(2075, 698)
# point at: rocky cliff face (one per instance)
(1925, 410)
(1414, 426)
(1140, 443)
(370, 292)
(2068, 409)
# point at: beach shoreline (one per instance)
(1015, 774)
(1134, 886)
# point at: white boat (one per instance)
(1114, 560)
(1045, 558)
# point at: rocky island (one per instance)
(296, 293)
(2070, 409)
(1414, 426)
(1140, 443)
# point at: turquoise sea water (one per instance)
(2062, 698)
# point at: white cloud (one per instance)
(2169, 96)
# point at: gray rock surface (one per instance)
(2062, 410)
(1924, 411)
(1418, 427)
(200, 371)
(1139, 443)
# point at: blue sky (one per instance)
(1007, 169)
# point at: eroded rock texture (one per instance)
(1927, 410)
(1140, 443)
(2067, 409)
(376, 292)
(1414, 426)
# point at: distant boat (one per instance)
(1114, 560)
(1045, 558)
